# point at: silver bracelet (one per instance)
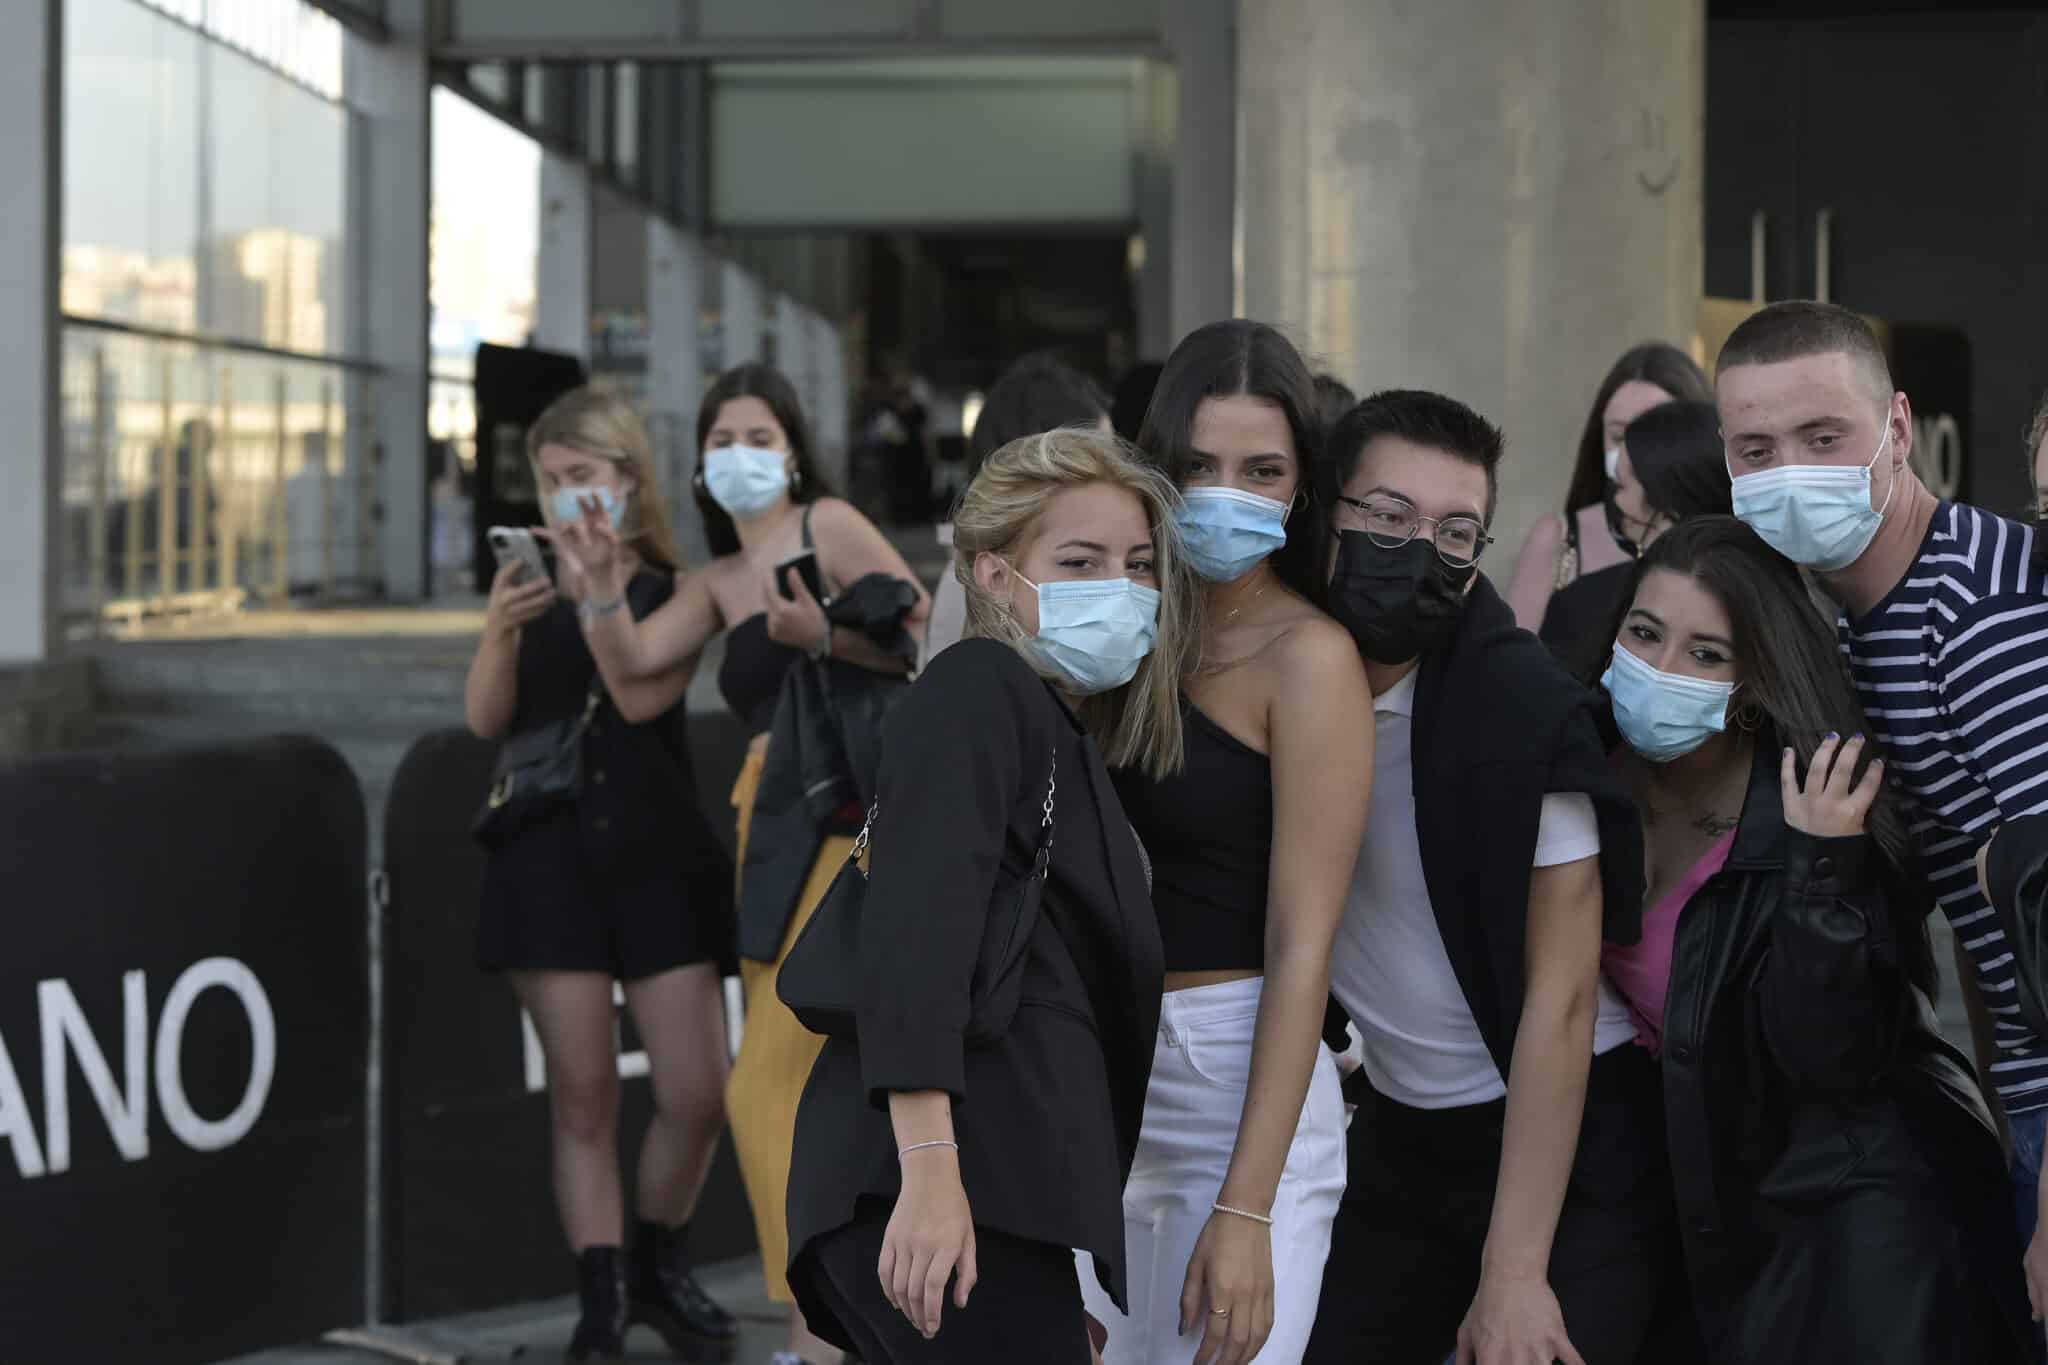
(590, 610)
(921, 1146)
(824, 650)
(1261, 1219)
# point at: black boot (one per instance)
(601, 1285)
(663, 1293)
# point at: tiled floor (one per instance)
(535, 1333)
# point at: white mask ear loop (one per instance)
(1882, 446)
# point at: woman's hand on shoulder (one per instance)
(1830, 804)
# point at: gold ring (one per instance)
(1219, 1312)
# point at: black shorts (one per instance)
(645, 909)
(1026, 1310)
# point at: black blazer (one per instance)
(1047, 1118)
(1827, 1145)
(1498, 725)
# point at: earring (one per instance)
(1748, 717)
(796, 479)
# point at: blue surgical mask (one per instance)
(568, 503)
(1815, 514)
(746, 480)
(1226, 532)
(1663, 715)
(1093, 632)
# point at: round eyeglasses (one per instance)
(1391, 523)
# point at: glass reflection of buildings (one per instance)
(242, 439)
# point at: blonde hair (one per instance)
(600, 423)
(1138, 724)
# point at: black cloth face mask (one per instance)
(1398, 604)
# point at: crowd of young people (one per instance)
(1620, 933)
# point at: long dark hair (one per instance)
(1676, 452)
(768, 384)
(1791, 669)
(1222, 360)
(1653, 362)
(1037, 393)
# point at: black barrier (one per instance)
(469, 1215)
(183, 1033)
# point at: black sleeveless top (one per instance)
(1209, 830)
(750, 676)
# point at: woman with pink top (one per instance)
(1837, 1176)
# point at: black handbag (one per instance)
(817, 978)
(537, 770)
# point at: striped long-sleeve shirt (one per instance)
(1952, 672)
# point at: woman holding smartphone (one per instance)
(626, 883)
(763, 504)
(939, 1188)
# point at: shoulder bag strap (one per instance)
(1045, 825)
(1042, 864)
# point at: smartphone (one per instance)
(805, 566)
(515, 544)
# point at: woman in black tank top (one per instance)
(763, 504)
(1241, 1162)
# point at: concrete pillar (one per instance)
(1492, 198)
(741, 314)
(1204, 39)
(1152, 176)
(793, 350)
(31, 153)
(675, 366)
(390, 84)
(830, 417)
(562, 288)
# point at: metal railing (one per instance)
(200, 474)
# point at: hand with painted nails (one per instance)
(1832, 802)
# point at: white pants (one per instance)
(1200, 1065)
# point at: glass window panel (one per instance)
(535, 100)
(626, 122)
(203, 192)
(492, 80)
(131, 165)
(273, 235)
(193, 469)
(596, 130)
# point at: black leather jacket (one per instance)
(823, 750)
(1839, 1181)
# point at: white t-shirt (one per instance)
(1420, 1044)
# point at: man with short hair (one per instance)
(1506, 1195)
(1944, 620)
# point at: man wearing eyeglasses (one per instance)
(1505, 1198)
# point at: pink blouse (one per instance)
(1642, 973)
